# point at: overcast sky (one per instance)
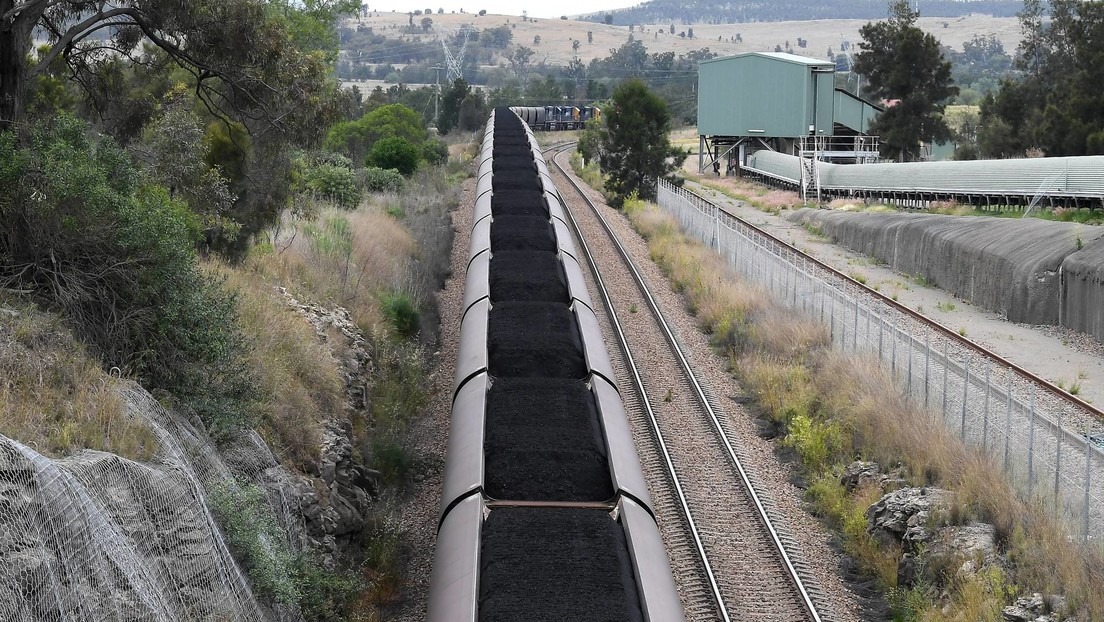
(506, 7)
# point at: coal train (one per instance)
(552, 118)
(1053, 182)
(545, 513)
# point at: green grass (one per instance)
(945, 307)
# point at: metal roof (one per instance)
(783, 56)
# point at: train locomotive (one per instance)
(545, 513)
(553, 118)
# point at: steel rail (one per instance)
(638, 383)
(943, 330)
(761, 511)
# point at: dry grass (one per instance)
(300, 380)
(762, 197)
(341, 258)
(557, 35)
(836, 407)
(54, 397)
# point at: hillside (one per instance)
(744, 11)
(557, 35)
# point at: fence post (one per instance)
(1007, 419)
(716, 220)
(927, 366)
(946, 364)
(893, 363)
(821, 302)
(881, 321)
(770, 277)
(805, 285)
(985, 420)
(793, 274)
(1057, 460)
(965, 394)
(1031, 444)
(911, 342)
(833, 324)
(855, 331)
(1088, 482)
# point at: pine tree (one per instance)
(635, 152)
(901, 62)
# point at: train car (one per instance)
(536, 117)
(545, 514)
(553, 118)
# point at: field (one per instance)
(557, 35)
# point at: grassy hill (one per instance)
(745, 11)
(557, 35)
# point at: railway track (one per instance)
(729, 554)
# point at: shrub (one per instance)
(82, 232)
(336, 183)
(397, 153)
(375, 179)
(277, 573)
(402, 313)
(435, 152)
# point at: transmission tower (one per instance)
(454, 64)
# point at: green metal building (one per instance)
(782, 102)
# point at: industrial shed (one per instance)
(782, 102)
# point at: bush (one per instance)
(435, 152)
(83, 233)
(397, 153)
(402, 314)
(376, 179)
(277, 573)
(336, 183)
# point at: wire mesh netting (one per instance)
(95, 537)
(986, 402)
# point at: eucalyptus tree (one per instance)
(247, 59)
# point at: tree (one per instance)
(427, 24)
(902, 63)
(575, 46)
(355, 138)
(84, 232)
(635, 152)
(1057, 105)
(451, 101)
(247, 59)
(519, 62)
(397, 153)
(590, 36)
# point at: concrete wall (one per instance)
(1083, 290)
(1028, 270)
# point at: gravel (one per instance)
(751, 587)
(429, 436)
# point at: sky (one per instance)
(506, 7)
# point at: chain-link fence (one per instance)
(1042, 441)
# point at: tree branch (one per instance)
(76, 33)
